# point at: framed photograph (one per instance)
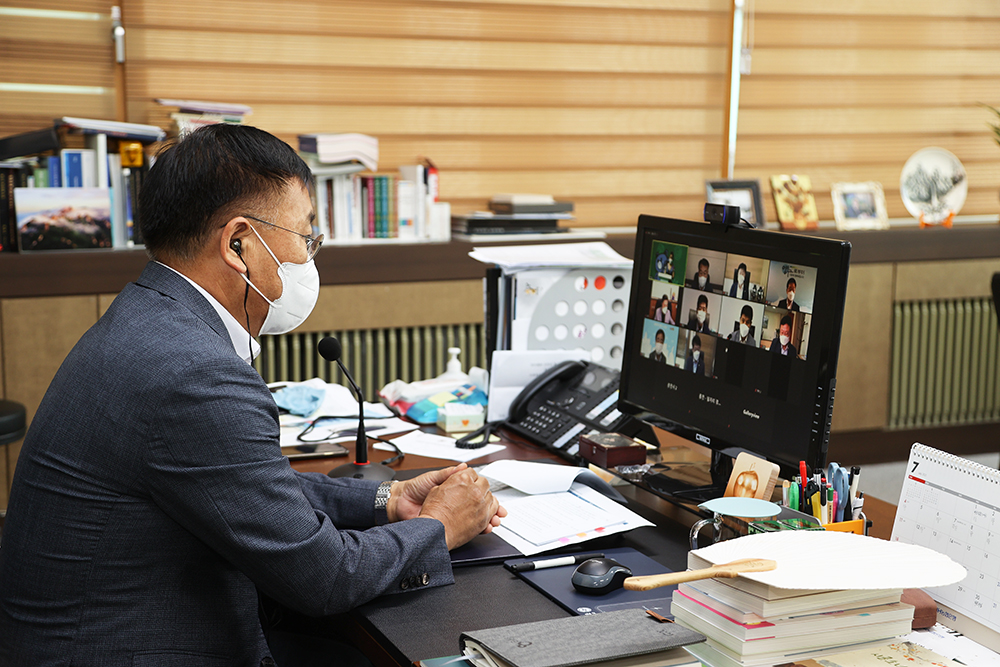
(859, 206)
(745, 194)
(794, 200)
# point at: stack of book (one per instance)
(515, 214)
(341, 148)
(192, 114)
(752, 624)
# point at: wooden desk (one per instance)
(403, 629)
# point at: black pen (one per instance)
(529, 565)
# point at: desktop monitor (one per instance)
(756, 372)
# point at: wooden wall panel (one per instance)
(37, 336)
(72, 49)
(863, 379)
(611, 104)
(847, 91)
(392, 305)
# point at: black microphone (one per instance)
(330, 349)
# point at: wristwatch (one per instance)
(382, 494)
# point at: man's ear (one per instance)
(232, 243)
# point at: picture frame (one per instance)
(745, 194)
(859, 206)
(794, 202)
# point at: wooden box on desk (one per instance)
(608, 450)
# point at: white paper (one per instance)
(544, 517)
(512, 371)
(515, 258)
(531, 476)
(419, 443)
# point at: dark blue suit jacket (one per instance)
(151, 497)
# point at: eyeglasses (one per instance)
(313, 243)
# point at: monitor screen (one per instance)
(733, 335)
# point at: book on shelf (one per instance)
(79, 167)
(512, 207)
(355, 206)
(111, 128)
(29, 143)
(490, 224)
(343, 147)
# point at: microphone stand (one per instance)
(361, 468)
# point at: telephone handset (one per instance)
(569, 398)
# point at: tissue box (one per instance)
(460, 417)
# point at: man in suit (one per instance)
(701, 280)
(742, 334)
(695, 361)
(699, 322)
(657, 353)
(783, 343)
(789, 303)
(151, 501)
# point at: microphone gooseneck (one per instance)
(330, 349)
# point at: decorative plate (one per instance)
(933, 185)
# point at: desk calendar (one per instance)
(952, 505)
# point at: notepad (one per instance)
(582, 640)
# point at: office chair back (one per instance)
(12, 421)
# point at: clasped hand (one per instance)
(456, 496)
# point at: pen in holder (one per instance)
(732, 507)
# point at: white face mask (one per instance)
(659, 348)
(744, 330)
(791, 297)
(299, 292)
(784, 340)
(701, 281)
(701, 314)
(697, 355)
(740, 278)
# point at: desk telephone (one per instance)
(569, 398)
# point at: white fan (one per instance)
(825, 560)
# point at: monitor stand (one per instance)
(691, 481)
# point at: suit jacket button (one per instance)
(268, 661)
(404, 584)
(425, 579)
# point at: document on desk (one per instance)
(549, 510)
(434, 446)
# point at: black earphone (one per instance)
(237, 246)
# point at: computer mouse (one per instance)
(597, 576)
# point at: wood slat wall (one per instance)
(847, 91)
(615, 105)
(55, 51)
